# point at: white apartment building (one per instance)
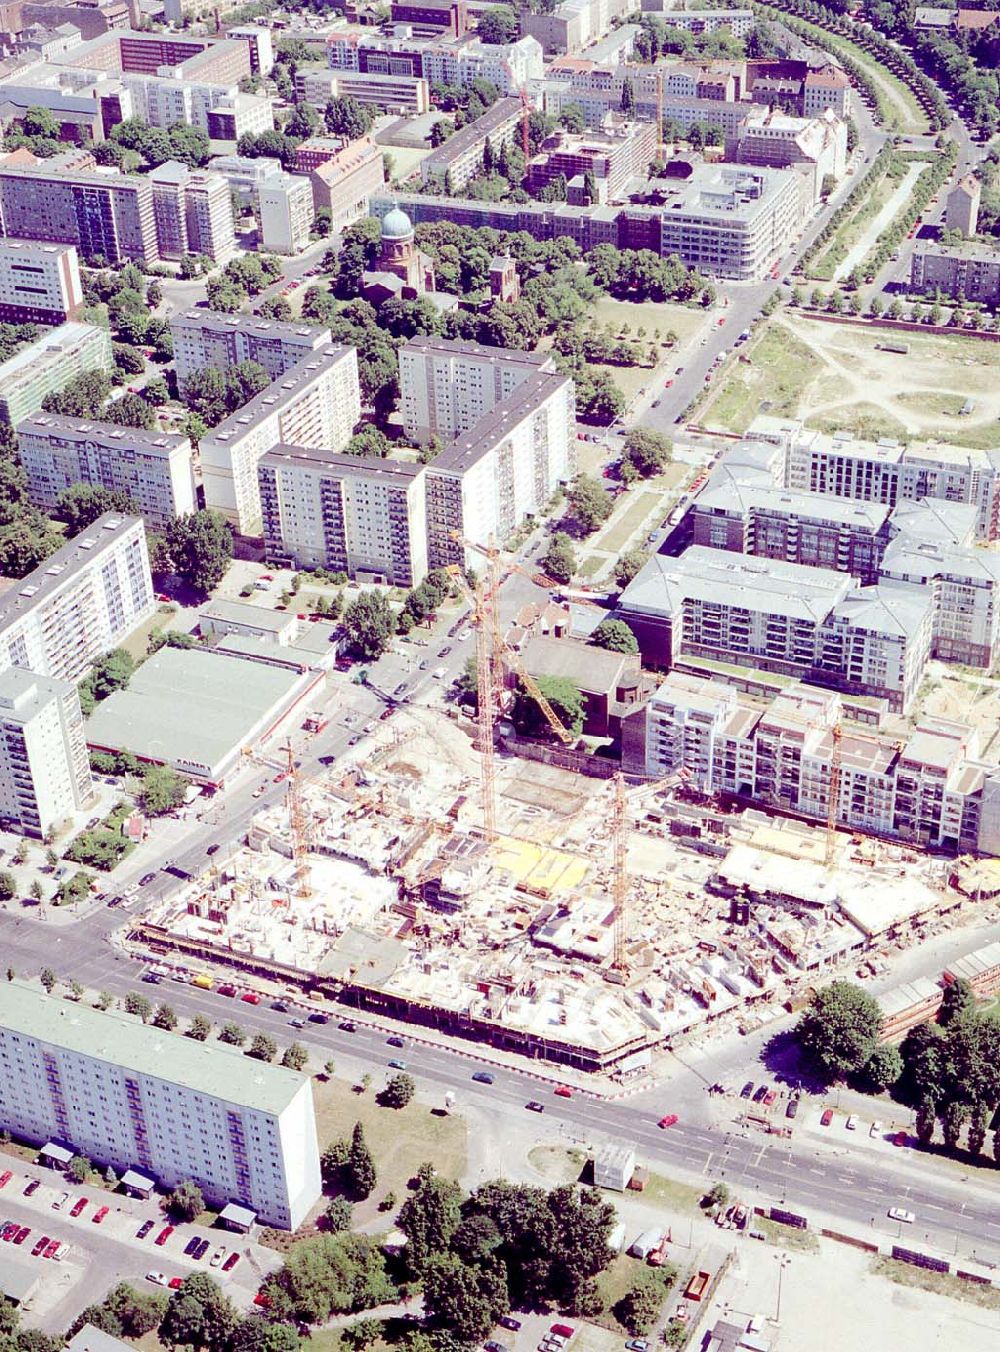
(406, 95)
(206, 338)
(243, 174)
(447, 386)
(462, 63)
(44, 767)
(887, 471)
(936, 788)
(503, 469)
(361, 516)
(39, 282)
(131, 1096)
(153, 468)
(314, 404)
(286, 213)
(49, 365)
(193, 212)
(80, 602)
(219, 110)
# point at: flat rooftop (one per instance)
(51, 343)
(276, 329)
(62, 566)
(286, 389)
(480, 439)
(210, 1068)
(337, 465)
(190, 705)
(109, 434)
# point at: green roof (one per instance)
(211, 1068)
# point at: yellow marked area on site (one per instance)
(538, 868)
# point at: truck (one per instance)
(698, 1285)
(315, 721)
(658, 1256)
(643, 1246)
(449, 1101)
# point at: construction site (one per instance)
(443, 879)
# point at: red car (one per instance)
(266, 577)
(900, 1138)
(668, 383)
(227, 990)
(769, 1097)
(278, 778)
(79, 1206)
(230, 1262)
(40, 1247)
(721, 321)
(250, 997)
(161, 596)
(175, 1283)
(827, 1118)
(99, 1215)
(22, 1234)
(263, 1300)
(563, 1090)
(164, 1235)
(563, 1330)
(5, 1178)
(50, 1249)
(667, 1121)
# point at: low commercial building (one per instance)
(935, 789)
(493, 478)
(345, 184)
(346, 513)
(44, 768)
(80, 602)
(980, 968)
(784, 617)
(39, 283)
(286, 213)
(315, 403)
(968, 270)
(459, 159)
(193, 211)
(49, 365)
(153, 468)
(207, 338)
(614, 1166)
(124, 1093)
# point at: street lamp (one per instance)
(783, 1261)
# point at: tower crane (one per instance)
(833, 798)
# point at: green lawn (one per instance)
(681, 319)
(825, 264)
(619, 1278)
(777, 369)
(786, 1236)
(136, 643)
(616, 537)
(672, 1195)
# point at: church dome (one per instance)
(396, 225)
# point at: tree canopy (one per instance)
(840, 1030)
(616, 636)
(369, 624)
(200, 548)
(566, 702)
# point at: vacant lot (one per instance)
(835, 377)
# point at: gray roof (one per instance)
(457, 347)
(60, 567)
(190, 704)
(467, 449)
(209, 321)
(241, 612)
(91, 1339)
(933, 519)
(210, 1068)
(593, 670)
(339, 466)
(18, 1276)
(898, 610)
(503, 112)
(52, 343)
(89, 429)
(921, 561)
(733, 494)
(285, 390)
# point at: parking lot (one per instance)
(99, 1237)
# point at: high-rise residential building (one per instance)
(504, 469)
(314, 404)
(286, 213)
(352, 514)
(49, 365)
(343, 183)
(130, 1096)
(39, 283)
(461, 62)
(44, 766)
(193, 212)
(259, 42)
(219, 110)
(807, 622)
(81, 602)
(447, 386)
(153, 468)
(612, 156)
(208, 338)
(107, 216)
(935, 789)
(209, 60)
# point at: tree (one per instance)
(339, 1215)
(186, 1201)
(369, 440)
(627, 565)
(78, 1168)
(37, 891)
(561, 694)
(840, 1031)
(200, 546)
(924, 1072)
(640, 1306)
(81, 504)
(883, 1068)
(131, 411)
(957, 1001)
(498, 25)
(232, 1034)
(199, 1315)
(8, 886)
(163, 789)
(104, 1000)
(164, 1017)
(559, 560)
(590, 503)
(139, 1006)
(952, 1122)
(926, 1121)
(464, 1300)
(346, 117)
(646, 452)
(263, 1047)
(360, 1167)
(369, 624)
(201, 1027)
(976, 1138)
(296, 1057)
(616, 636)
(398, 1091)
(330, 1274)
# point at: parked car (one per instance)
(250, 998)
(144, 1229)
(5, 1178)
(898, 1213)
(827, 1117)
(32, 1186)
(164, 1235)
(227, 989)
(217, 1256)
(852, 1122)
(900, 1138)
(348, 1026)
(483, 1077)
(230, 1262)
(509, 1322)
(761, 1094)
(99, 1215)
(533, 1106)
(22, 1234)
(563, 1091)
(157, 1278)
(747, 1089)
(50, 1249)
(79, 1207)
(175, 1283)
(37, 1251)
(317, 1017)
(396, 1041)
(146, 879)
(769, 1098)
(793, 1108)
(191, 1245)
